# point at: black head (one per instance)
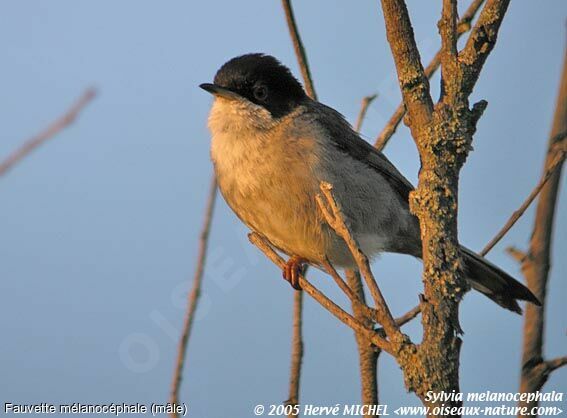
(260, 78)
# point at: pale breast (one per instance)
(267, 180)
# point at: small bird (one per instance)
(271, 148)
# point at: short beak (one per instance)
(220, 91)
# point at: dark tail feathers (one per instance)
(495, 283)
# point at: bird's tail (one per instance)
(495, 283)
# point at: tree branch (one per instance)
(516, 254)
(323, 300)
(360, 303)
(354, 297)
(450, 71)
(463, 26)
(443, 136)
(333, 215)
(556, 363)
(555, 165)
(57, 126)
(296, 350)
(299, 49)
(537, 263)
(363, 108)
(367, 354)
(448, 31)
(193, 296)
(408, 316)
(481, 42)
(413, 82)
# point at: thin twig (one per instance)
(463, 26)
(299, 49)
(296, 351)
(57, 126)
(408, 316)
(516, 254)
(356, 301)
(363, 108)
(556, 363)
(193, 296)
(334, 217)
(323, 300)
(526, 204)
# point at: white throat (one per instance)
(238, 117)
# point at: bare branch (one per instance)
(363, 108)
(296, 351)
(193, 297)
(481, 42)
(323, 300)
(57, 126)
(413, 82)
(463, 26)
(450, 71)
(556, 363)
(516, 254)
(359, 302)
(353, 297)
(536, 265)
(297, 342)
(408, 316)
(299, 49)
(559, 158)
(448, 31)
(404, 319)
(391, 125)
(367, 354)
(334, 217)
(443, 135)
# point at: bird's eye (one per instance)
(261, 92)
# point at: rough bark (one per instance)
(463, 26)
(443, 135)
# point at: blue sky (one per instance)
(99, 226)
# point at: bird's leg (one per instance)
(292, 270)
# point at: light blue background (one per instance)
(99, 226)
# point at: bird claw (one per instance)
(292, 270)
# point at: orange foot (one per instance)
(293, 268)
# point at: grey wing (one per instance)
(347, 140)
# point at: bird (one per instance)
(272, 146)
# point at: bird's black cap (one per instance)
(260, 78)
